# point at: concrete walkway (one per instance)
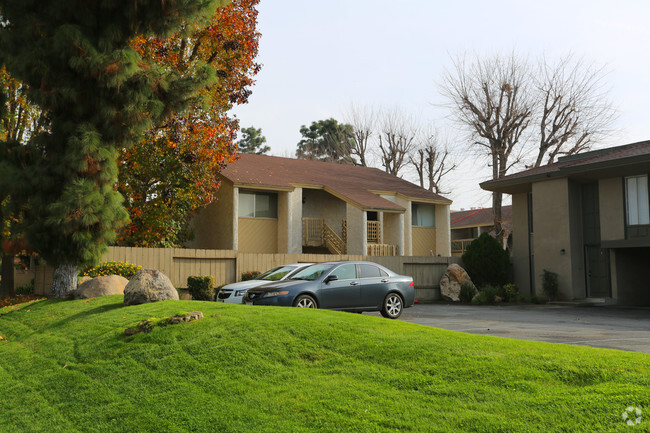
(597, 326)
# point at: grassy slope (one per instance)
(67, 367)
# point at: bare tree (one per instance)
(363, 121)
(397, 133)
(574, 110)
(431, 160)
(492, 97)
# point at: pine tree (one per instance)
(99, 95)
(253, 141)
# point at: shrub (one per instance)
(27, 289)
(249, 275)
(509, 292)
(487, 294)
(486, 262)
(127, 270)
(550, 284)
(467, 292)
(201, 287)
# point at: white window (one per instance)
(258, 205)
(423, 215)
(636, 197)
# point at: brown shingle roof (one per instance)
(353, 183)
(578, 163)
(478, 217)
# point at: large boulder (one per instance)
(450, 283)
(149, 285)
(101, 286)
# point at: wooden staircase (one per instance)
(333, 241)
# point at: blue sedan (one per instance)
(347, 285)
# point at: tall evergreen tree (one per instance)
(253, 141)
(100, 95)
(327, 140)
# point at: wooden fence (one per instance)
(227, 266)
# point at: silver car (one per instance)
(234, 293)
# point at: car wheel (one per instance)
(393, 306)
(305, 301)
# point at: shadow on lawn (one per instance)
(86, 313)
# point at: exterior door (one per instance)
(597, 259)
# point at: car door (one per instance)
(374, 283)
(343, 292)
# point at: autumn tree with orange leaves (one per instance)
(172, 173)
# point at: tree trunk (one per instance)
(497, 199)
(65, 281)
(7, 284)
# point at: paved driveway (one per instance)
(598, 326)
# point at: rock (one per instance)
(149, 285)
(189, 317)
(147, 326)
(101, 286)
(450, 283)
(84, 279)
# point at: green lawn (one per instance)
(66, 366)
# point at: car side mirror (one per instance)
(331, 278)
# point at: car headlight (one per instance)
(275, 293)
(240, 292)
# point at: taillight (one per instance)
(412, 284)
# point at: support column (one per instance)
(235, 219)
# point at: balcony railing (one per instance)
(312, 232)
(381, 250)
(459, 246)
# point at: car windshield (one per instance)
(311, 273)
(276, 274)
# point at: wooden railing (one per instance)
(459, 246)
(332, 241)
(312, 232)
(381, 250)
(374, 232)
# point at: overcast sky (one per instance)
(321, 56)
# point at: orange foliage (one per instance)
(173, 172)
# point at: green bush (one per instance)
(27, 289)
(467, 292)
(550, 284)
(509, 292)
(486, 262)
(127, 270)
(486, 295)
(249, 275)
(201, 287)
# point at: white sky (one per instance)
(320, 56)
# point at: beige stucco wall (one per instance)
(213, 226)
(406, 216)
(357, 233)
(443, 231)
(283, 222)
(612, 209)
(321, 204)
(393, 232)
(294, 221)
(552, 234)
(258, 235)
(520, 243)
